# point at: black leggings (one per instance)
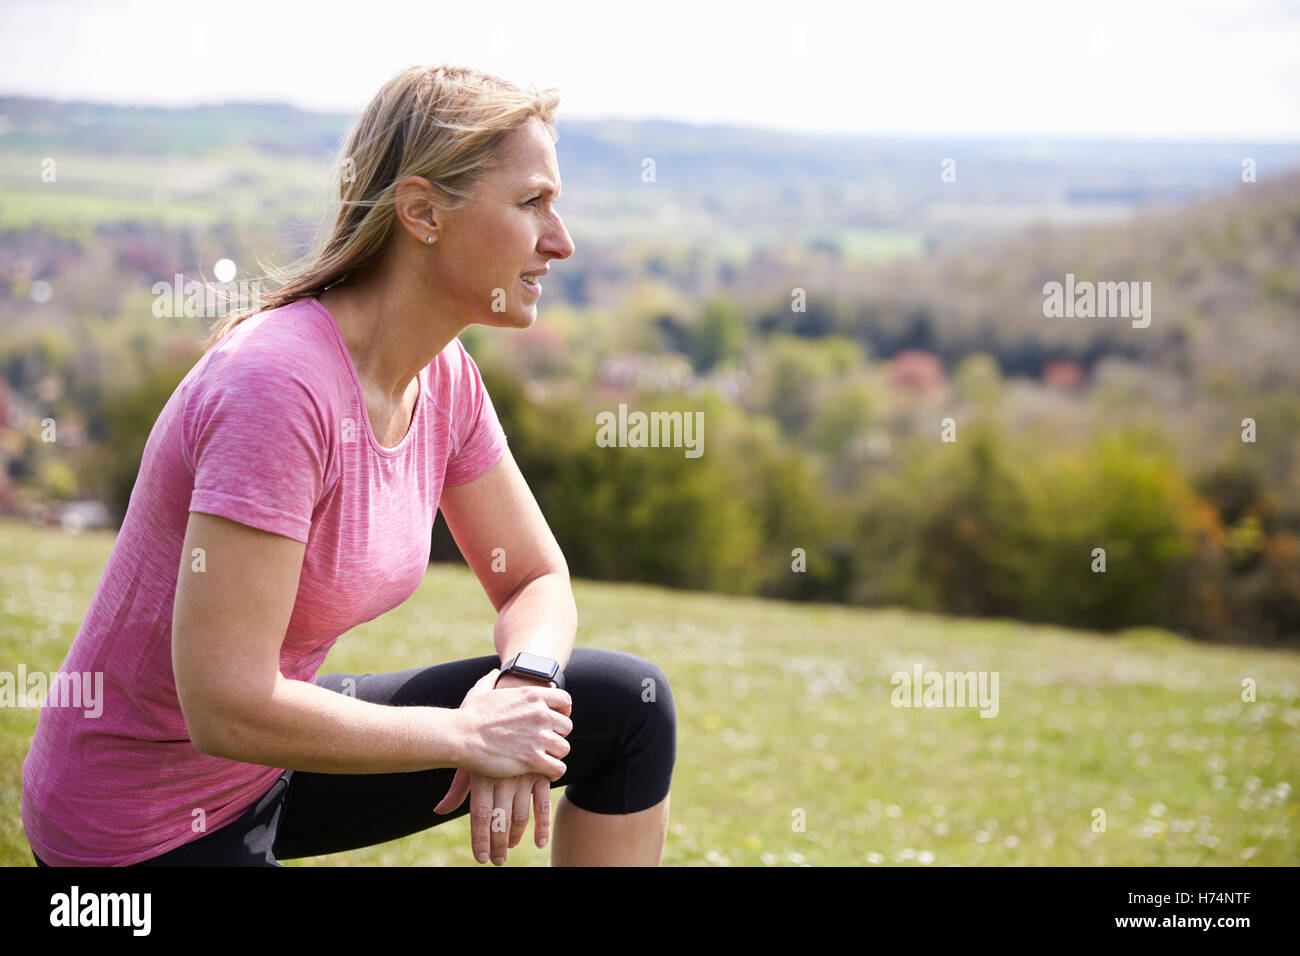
(623, 746)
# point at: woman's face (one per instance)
(508, 230)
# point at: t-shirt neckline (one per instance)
(416, 416)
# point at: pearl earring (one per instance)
(428, 239)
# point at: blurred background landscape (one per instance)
(827, 301)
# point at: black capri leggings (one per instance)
(623, 746)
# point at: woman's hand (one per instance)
(515, 742)
(498, 811)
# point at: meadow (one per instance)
(789, 749)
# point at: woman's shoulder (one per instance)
(269, 393)
(454, 380)
(458, 367)
(291, 332)
(281, 350)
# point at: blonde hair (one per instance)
(449, 124)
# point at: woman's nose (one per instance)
(558, 241)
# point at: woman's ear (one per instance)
(419, 206)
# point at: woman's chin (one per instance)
(523, 317)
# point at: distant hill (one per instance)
(191, 131)
(708, 180)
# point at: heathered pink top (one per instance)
(269, 429)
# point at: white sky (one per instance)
(1163, 69)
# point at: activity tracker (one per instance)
(544, 670)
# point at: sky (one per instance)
(1128, 69)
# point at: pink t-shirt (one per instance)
(269, 429)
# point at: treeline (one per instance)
(1109, 535)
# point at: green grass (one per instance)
(786, 707)
(232, 185)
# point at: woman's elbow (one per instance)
(205, 732)
(214, 729)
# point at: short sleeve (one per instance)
(258, 445)
(482, 440)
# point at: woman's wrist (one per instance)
(514, 680)
(450, 738)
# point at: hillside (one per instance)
(784, 707)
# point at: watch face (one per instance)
(535, 664)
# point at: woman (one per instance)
(287, 493)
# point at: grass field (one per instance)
(229, 186)
(785, 708)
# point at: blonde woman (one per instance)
(287, 493)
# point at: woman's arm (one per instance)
(228, 625)
(505, 539)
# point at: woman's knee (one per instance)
(635, 688)
(623, 705)
(618, 673)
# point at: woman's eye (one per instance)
(533, 200)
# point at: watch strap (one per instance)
(509, 668)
